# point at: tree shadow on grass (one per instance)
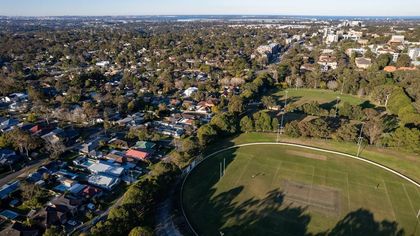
(249, 217)
(273, 216)
(366, 104)
(360, 223)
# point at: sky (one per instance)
(210, 7)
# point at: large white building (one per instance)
(414, 53)
(189, 91)
(331, 38)
(107, 169)
(103, 181)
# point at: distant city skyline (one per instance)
(214, 7)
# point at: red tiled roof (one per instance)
(393, 68)
(35, 129)
(91, 191)
(137, 154)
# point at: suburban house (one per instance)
(91, 192)
(190, 91)
(55, 136)
(363, 63)
(72, 204)
(8, 124)
(8, 189)
(8, 157)
(51, 215)
(145, 146)
(328, 61)
(138, 155)
(103, 181)
(396, 40)
(109, 169)
(307, 67)
(118, 143)
(117, 157)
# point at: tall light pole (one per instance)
(359, 140)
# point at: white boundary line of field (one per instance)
(293, 145)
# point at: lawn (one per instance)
(302, 96)
(404, 162)
(278, 190)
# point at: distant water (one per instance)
(272, 18)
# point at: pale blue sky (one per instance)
(198, 7)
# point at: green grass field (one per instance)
(404, 162)
(302, 96)
(279, 190)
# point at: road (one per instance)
(165, 225)
(23, 172)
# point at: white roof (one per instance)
(103, 181)
(106, 169)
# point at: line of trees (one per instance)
(134, 216)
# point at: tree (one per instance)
(313, 108)
(292, 129)
(262, 121)
(225, 124)
(141, 231)
(400, 104)
(131, 106)
(89, 111)
(55, 149)
(236, 104)
(406, 138)
(54, 231)
(205, 134)
(36, 95)
(23, 141)
(5, 141)
(268, 101)
(373, 129)
(190, 146)
(347, 132)
(332, 84)
(32, 195)
(247, 125)
(345, 110)
(351, 111)
(383, 60)
(179, 159)
(32, 117)
(317, 128)
(275, 124)
(107, 125)
(403, 61)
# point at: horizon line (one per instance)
(175, 15)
